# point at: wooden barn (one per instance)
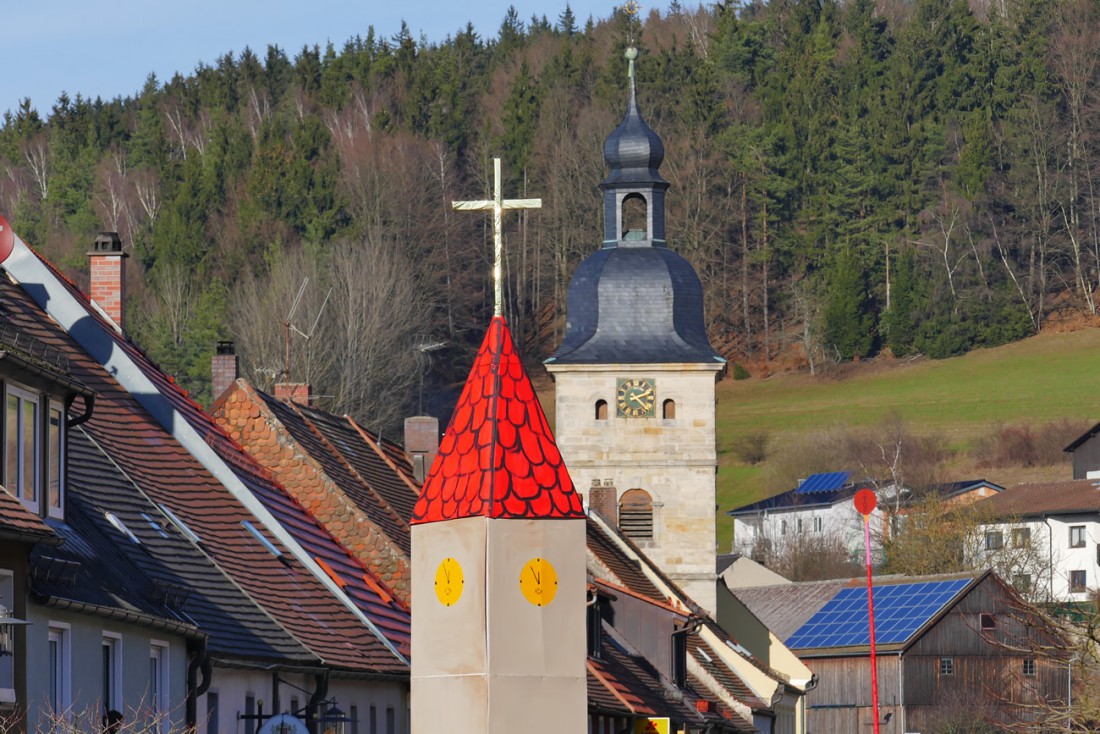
(951, 650)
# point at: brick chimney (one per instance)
(295, 392)
(108, 274)
(421, 443)
(604, 499)
(223, 368)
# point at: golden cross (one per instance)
(497, 206)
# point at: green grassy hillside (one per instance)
(1034, 381)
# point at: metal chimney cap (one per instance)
(106, 243)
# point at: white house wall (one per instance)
(85, 646)
(840, 520)
(1050, 539)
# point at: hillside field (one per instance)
(1034, 381)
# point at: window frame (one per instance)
(23, 397)
(1075, 586)
(60, 670)
(1028, 667)
(160, 699)
(947, 666)
(994, 540)
(111, 685)
(59, 453)
(819, 524)
(1021, 537)
(1077, 537)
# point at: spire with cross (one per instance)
(497, 206)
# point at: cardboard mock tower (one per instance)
(498, 554)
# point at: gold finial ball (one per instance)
(631, 7)
(631, 53)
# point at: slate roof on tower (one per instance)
(634, 301)
(498, 457)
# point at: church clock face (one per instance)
(448, 582)
(538, 581)
(635, 397)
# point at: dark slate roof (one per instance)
(169, 474)
(1082, 438)
(166, 570)
(635, 305)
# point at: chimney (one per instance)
(223, 369)
(603, 498)
(295, 392)
(421, 443)
(108, 274)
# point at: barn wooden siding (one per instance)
(988, 673)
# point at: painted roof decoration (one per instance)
(498, 457)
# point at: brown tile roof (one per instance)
(627, 571)
(19, 523)
(170, 475)
(1048, 498)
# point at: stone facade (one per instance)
(674, 460)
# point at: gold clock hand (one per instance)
(446, 573)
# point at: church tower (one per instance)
(498, 558)
(635, 373)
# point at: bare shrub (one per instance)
(752, 448)
(1019, 445)
(814, 558)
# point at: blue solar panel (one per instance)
(823, 482)
(900, 610)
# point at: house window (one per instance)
(112, 671)
(158, 685)
(988, 622)
(994, 540)
(59, 664)
(1029, 667)
(1077, 536)
(947, 666)
(1021, 537)
(679, 657)
(782, 527)
(818, 522)
(601, 410)
(250, 710)
(391, 720)
(21, 466)
(798, 525)
(212, 713)
(354, 716)
(668, 410)
(1022, 583)
(55, 462)
(594, 618)
(1076, 582)
(636, 514)
(7, 662)
(373, 720)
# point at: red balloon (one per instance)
(866, 501)
(7, 239)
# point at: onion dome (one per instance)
(635, 300)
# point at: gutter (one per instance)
(72, 316)
(121, 615)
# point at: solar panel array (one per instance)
(900, 610)
(826, 482)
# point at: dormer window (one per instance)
(34, 450)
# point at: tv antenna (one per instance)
(423, 349)
(289, 326)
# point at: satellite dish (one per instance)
(7, 239)
(283, 724)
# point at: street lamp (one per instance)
(335, 721)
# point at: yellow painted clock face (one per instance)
(538, 581)
(635, 397)
(448, 582)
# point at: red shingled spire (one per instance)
(498, 457)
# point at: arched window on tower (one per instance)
(601, 410)
(635, 217)
(668, 410)
(636, 514)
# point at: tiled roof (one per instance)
(287, 439)
(498, 457)
(627, 571)
(1047, 498)
(19, 523)
(786, 607)
(169, 569)
(169, 474)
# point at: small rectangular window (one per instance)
(782, 527)
(112, 671)
(21, 461)
(947, 666)
(1077, 581)
(799, 526)
(373, 720)
(1029, 667)
(1077, 536)
(159, 685)
(989, 622)
(212, 713)
(1021, 537)
(60, 671)
(249, 711)
(818, 523)
(391, 720)
(55, 463)
(994, 540)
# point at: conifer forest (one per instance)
(847, 177)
